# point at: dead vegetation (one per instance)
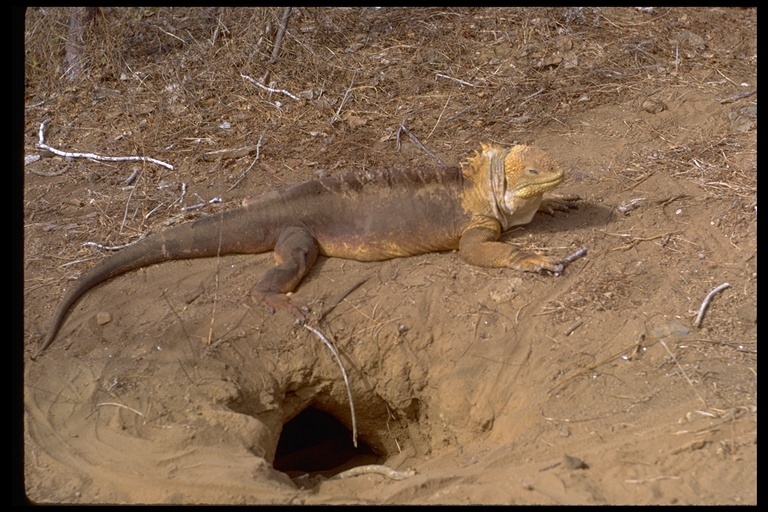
(476, 379)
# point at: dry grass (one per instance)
(178, 83)
(177, 72)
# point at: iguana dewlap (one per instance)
(367, 216)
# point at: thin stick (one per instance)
(344, 374)
(269, 89)
(573, 327)
(120, 405)
(127, 205)
(576, 255)
(216, 284)
(258, 152)
(654, 479)
(344, 99)
(335, 302)
(280, 32)
(130, 179)
(376, 469)
(76, 262)
(153, 210)
(421, 146)
(200, 205)
(704, 304)
(737, 97)
(679, 366)
(462, 82)
(590, 368)
(50, 174)
(113, 247)
(42, 145)
(439, 117)
(530, 97)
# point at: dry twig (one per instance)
(216, 285)
(42, 145)
(343, 373)
(462, 82)
(705, 303)
(574, 256)
(418, 143)
(256, 159)
(280, 32)
(113, 247)
(344, 99)
(269, 89)
(680, 367)
(376, 469)
(737, 97)
(120, 405)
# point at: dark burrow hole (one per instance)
(316, 442)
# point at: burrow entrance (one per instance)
(314, 442)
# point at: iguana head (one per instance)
(513, 180)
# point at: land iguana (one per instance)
(364, 216)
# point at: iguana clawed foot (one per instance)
(532, 262)
(559, 202)
(272, 301)
(537, 263)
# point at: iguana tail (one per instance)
(225, 233)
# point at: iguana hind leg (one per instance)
(295, 253)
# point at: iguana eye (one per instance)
(532, 171)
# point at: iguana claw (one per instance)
(272, 301)
(559, 202)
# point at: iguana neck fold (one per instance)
(508, 183)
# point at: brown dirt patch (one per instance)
(483, 381)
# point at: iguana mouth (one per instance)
(538, 188)
(497, 176)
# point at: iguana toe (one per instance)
(559, 202)
(272, 301)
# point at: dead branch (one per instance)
(280, 32)
(418, 144)
(705, 303)
(79, 18)
(91, 156)
(343, 373)
(376, 469)
(737, 97)
(269, 89)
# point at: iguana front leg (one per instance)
(480, 246)
(295, 253)
(560, 202)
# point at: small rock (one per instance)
(570, 60)
(571, 462)
(103, 317)
(564, 44)
(653, 106)
(675, 327)
(688, 38)
(549, 62)
(745, 119)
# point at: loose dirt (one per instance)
(166, 385)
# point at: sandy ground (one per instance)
(478, 385)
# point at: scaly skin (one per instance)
(369, 216)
